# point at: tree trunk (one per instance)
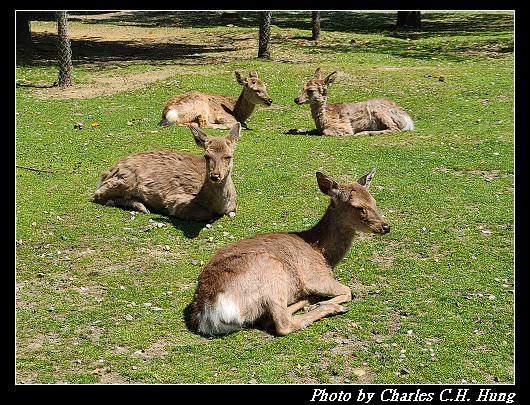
(315, 16)
(264, 34)
(24, 44)
(64, 50)
(409, 18)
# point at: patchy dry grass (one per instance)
(102, 293)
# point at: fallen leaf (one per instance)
(359, 372)
(95, 123)
(98, 370)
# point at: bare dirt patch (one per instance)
(486, 174)
(105, 84)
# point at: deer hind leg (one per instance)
(113, 192)
(386, 120)
(108, 188)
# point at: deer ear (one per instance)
(366, 179)
(253, 73)
(199, 135)
(318, 74)
(327, 185)
(233, 134)
(242, 80)
(328, 81)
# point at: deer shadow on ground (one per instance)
(294, 131)
(190, 229)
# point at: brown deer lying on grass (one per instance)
(175, 183)
(269, 277)
(216, 111)
(377, 116)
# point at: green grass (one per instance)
(421, 292)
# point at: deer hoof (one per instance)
(342, 310)
(305, 324)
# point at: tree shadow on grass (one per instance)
(102, 50)
(395, 40)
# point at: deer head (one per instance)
(356, 208)
(218, 151)
(255, 90)
(315, 90)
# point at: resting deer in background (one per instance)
(269, 277)
(377, 116)
(216, 111)
(175, 183)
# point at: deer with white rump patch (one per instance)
(376, 116)
(175, 183)
(267, 278)
(214, 110)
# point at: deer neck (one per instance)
(329, 237)
(218, 195)
(318, 112)
(243, 108)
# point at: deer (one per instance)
(265, 279)
(214, 110)
(371, 117)
(182, 185)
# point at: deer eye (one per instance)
(309, 92)
(361, 210)
(228, 157)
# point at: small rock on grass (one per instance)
(359, 372)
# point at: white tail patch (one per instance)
(409, 124)
(172, 117)
(220, 318)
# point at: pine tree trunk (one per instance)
(315, 16)
(64, 50)
(24, 45)
(264, 34)
(412, 18)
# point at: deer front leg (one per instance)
(328, 287)
(322, 286)
(285, 323)
(127, 203)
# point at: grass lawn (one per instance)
(102, 293)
